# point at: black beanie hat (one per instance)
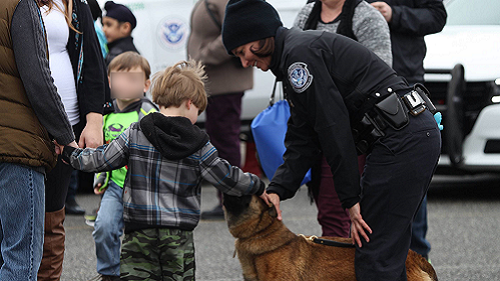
(120, 13)
(247, 21)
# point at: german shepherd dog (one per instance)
(269, 251)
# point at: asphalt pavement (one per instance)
(464, 219)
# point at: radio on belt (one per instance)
(418, 100)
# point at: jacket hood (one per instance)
(175, 137)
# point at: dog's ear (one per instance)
(272, 212)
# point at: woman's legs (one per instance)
(21, 221)
(56, 190)
(334, 220)
(419, 230)
(396, 178)
(223, 124)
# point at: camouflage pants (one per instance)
(158, 254)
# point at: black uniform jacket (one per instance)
(411, 21)
(329, 79)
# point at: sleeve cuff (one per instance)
(66, 155)
(346, 204)
(396, 18)
(277, 189)
(65, 139)
(261, 189)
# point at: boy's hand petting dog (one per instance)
(275, 200)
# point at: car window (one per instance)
(473, 12)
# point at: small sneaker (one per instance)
(216, 214)
(90, 219)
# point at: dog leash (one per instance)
(326, 242)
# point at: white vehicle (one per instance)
(470, 102)
(469, 49)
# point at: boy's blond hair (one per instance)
(128, 60)
(180, 82)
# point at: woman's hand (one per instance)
(275, 200)
(59, 148)
(384, 9)
(92, 133)
(264, 196)
(358, 226)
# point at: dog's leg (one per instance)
(248, 267)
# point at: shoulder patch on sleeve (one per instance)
(299, 76)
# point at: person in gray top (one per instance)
(361, 22)
(367, 24)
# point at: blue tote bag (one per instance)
(269, 130)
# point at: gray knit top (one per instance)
(368, 25)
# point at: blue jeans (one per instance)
(419, 230)
(22, 209)
(107, 231)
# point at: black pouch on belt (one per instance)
(393, 112)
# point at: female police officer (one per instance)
(345, 99)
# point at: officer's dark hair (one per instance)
(266, 47)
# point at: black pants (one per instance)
(396, 178)
(57, 182)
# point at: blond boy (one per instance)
(167, 158)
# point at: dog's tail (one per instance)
(425, 266)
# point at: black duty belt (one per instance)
(390, 111)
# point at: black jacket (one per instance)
(411, 21)
(329, 80)
(88, 65)
(120, 46)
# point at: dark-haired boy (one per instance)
(117, 25)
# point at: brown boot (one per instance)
(53, 247)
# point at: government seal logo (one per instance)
(173, 32)
(299, 76)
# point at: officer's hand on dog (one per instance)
(275, 200)
(358, 226)
(264, 196)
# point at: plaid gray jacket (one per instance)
(159, 192)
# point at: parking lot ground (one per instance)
(464, 220)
